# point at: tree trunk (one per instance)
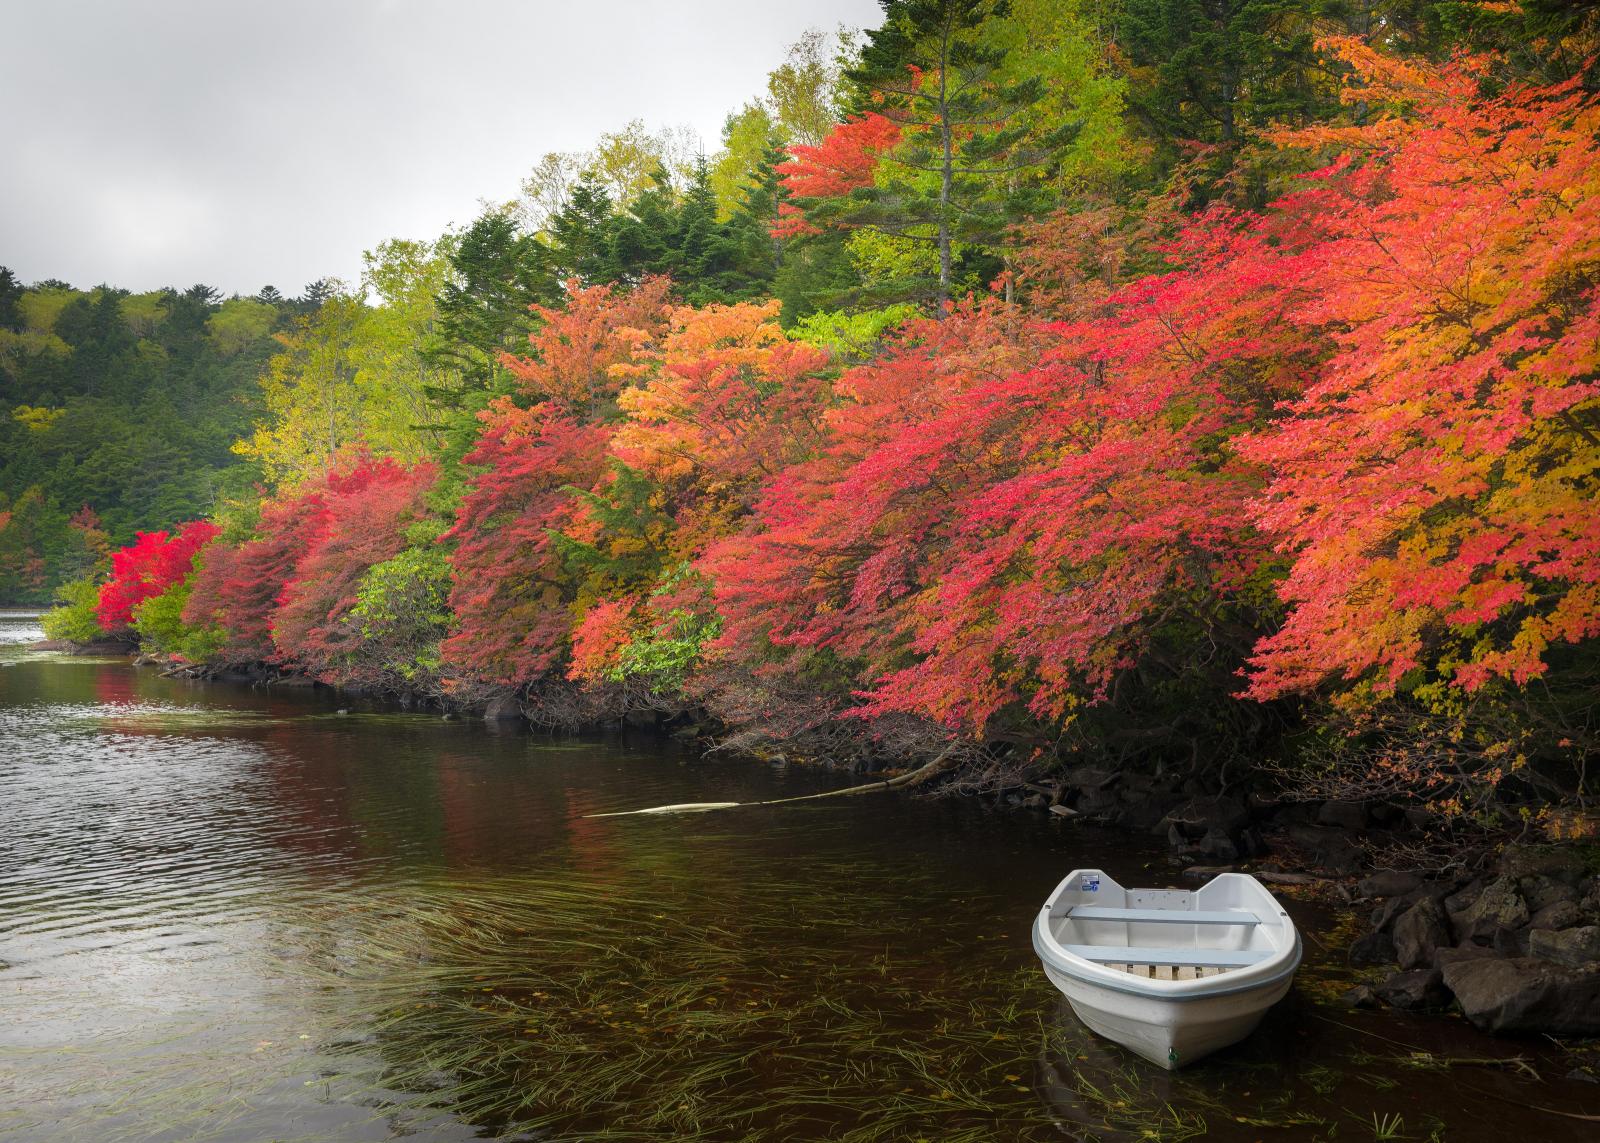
(947, 175)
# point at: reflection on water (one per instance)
(233, 915)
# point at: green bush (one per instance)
(73, 617)
(851, 336)
(159, 622)
(403, 609)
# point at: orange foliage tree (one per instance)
(722, 404)
(511, 591)
(1435, 486)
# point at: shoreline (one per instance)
(1511, 938)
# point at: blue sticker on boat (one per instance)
(1089, 884)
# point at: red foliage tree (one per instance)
(150, 565)
(600, 636)
(1435, 487)
(1010, 509)
(238, 588)
(510, 593)
(364, 517)
(841, 163)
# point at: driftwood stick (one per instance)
(944, 761)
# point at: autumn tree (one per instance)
(315, 625)
(147, 567)
(510, 588)
(1434, 487)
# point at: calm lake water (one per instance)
(228, 914)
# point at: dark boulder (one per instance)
(1215, 846)
(1561, 863)
(1418, 988)
(1352, 816)
(1499, 906)
(1361, 996)
(1251, 843)
(1574, 947)
(1097, 802)
(1141, 808)
(1374, 948)
(1199, 816)
(1561, 915)
(1527, 995)
(1447, 956)
(1510, 942)
(1419, 932)
(1386, 914)
(1330, 848)
(1388, 883)
(1541, 892)
(502, 708)
(1463, 897)
(1091, 777)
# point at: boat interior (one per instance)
(1165, 934)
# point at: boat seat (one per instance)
(1164, 916)
(1181, 957)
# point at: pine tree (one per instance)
(11, 292)
(643, 240)
(499, 273)
(582, 236)
(957, 175)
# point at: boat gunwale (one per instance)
(1068, 965)
(1270, 971)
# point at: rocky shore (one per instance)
(1513, 941)
(1518, 948)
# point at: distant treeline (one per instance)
(119, 415)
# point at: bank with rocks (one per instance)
(1508, 937)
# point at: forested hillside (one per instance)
(121, 411)
(1150, 383)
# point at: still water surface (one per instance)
(227, 914)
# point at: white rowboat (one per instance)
(1172, 974)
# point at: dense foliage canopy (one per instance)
(1174, 387)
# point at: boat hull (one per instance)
(1171, 974)
(1170, 1033)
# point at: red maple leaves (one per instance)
(150, 565)
(1435, 485)
(841, 163)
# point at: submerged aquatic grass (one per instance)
(594, 1007)
(666, 1001)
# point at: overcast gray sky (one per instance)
(167, 142)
